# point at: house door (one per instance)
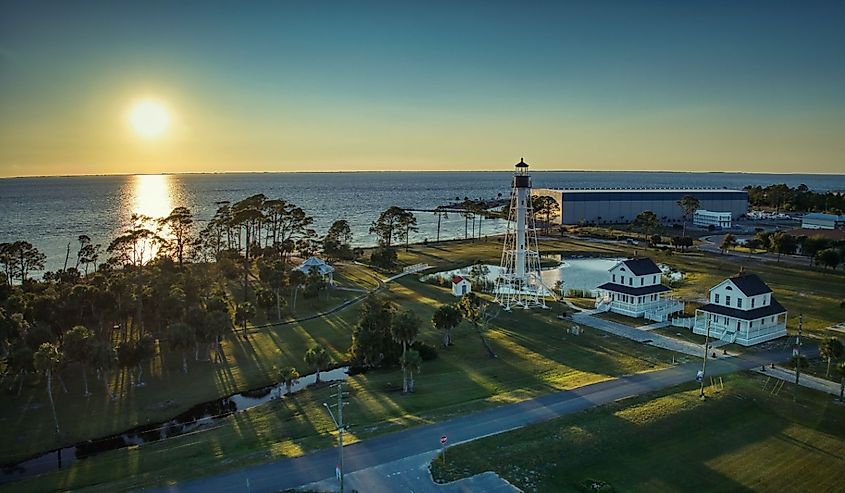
(464, 289)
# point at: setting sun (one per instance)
(149, 118)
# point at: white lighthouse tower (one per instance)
(519, 283)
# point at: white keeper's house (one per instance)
(635, 290)
(743, 310)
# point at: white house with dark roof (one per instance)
(635, 290)
(742, 309)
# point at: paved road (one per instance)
(412, 474)
(317, 466)
(711, 244)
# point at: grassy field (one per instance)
(623, 319)
(248, 364)
(814, 291)
(741, 439)
(535, 356)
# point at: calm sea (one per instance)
(50, 212)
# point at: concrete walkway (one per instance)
(638, 334)
(804, 380)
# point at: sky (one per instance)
(754, 86)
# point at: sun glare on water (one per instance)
(153, 195)
(149, 118)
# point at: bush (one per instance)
(427, 351)
(579, 293)
(384, 257)
(595, 486)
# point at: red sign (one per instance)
(443, 440)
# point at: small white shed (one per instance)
(460, 286)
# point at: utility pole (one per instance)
(340, 427)
(706, 343)
(796, 354)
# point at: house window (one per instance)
(716, 298)
(739, 302)
(737, 325)
(622, 278)
(752, 302)
(727, 300)
(630, 281)
(654, 279)
(614, 277)
(642, 281)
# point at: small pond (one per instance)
(577, 273)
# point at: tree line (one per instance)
(785, 198)
(158, 283)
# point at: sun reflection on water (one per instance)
(153, 195)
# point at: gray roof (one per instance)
(634, 291)
(826, 217)
(642, 266)
(774, 308)
(750, 284)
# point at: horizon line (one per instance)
(253, 172)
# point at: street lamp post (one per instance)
(340, 427)
(706, 343)
(796, 354)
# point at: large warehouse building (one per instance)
(605, 206)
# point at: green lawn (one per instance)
(248, 364)
(680, 333)
(740, 439)
(535, 356)
(623, 319)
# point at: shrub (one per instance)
(427, 351)
(384, 257)
(595, 486)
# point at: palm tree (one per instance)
(317, 358)
(413, 363)
(289, 375)
(217, 323)
(78, 346)
(145, 349)
(830, 348)
(46, 360)
(446, 318)
(297, 278)
(244, 314)
(646, 221)
(104, 359)
(181, 337)
(728, 242)
(441, 214)
(688, 205)
(404, 330)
